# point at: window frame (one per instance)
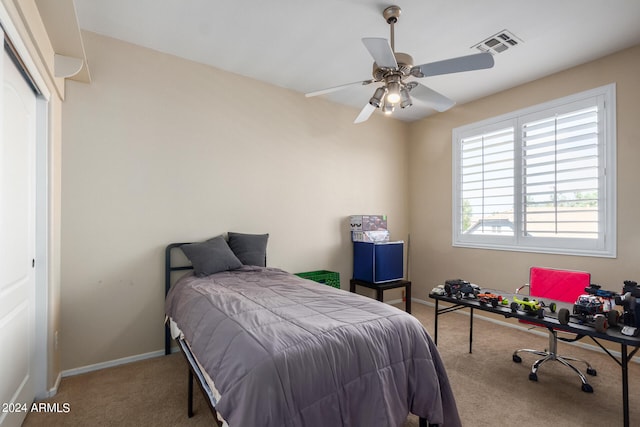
(603, 246)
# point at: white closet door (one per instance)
(17, 243)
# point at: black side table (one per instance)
(381, 287)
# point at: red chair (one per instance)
(559, 285)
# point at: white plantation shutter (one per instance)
(560, 175)
(487, 178)
(536, 180)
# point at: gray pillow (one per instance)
(212, 256)
(251, 249)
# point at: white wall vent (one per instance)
(498, 42)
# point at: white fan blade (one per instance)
(365, 113)
(337, 88)
(381, 51)
(432, 98)
(477, 61)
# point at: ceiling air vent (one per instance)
(498, 43)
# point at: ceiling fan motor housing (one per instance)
(405, 64)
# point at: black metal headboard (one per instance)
(168, 269)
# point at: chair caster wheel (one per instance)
(534, 377)
(592, 372)
(517, 358)
(587, 388)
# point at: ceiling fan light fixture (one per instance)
(405, 99)
(393, 96)
(387, 109)
(376, 99)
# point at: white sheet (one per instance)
(177, 333)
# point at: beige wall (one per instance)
(434, 260)
(159, 150)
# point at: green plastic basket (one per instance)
(327, 277)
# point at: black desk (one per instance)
(381, 287)
(611, 334)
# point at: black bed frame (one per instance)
(194, 369)
(168, 269)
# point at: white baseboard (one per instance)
(111, 363)
(52, 391)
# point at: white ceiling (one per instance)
(306, 45)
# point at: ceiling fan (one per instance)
(393, 69)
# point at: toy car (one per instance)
(528, 306)
(531, 306)
(596, 290)
(596, 307)
(438, 290)
(489, 298)
(458, 288)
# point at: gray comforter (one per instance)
(284, 351)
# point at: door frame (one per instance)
(43, 202)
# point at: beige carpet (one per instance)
(490, 389)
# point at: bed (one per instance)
(269, 348)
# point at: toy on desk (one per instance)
(458, 288)
(438, 290)
(531, 306)
(528, 305)
(489, 298)
(630, 302)
(596, 308)
(597, 290)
